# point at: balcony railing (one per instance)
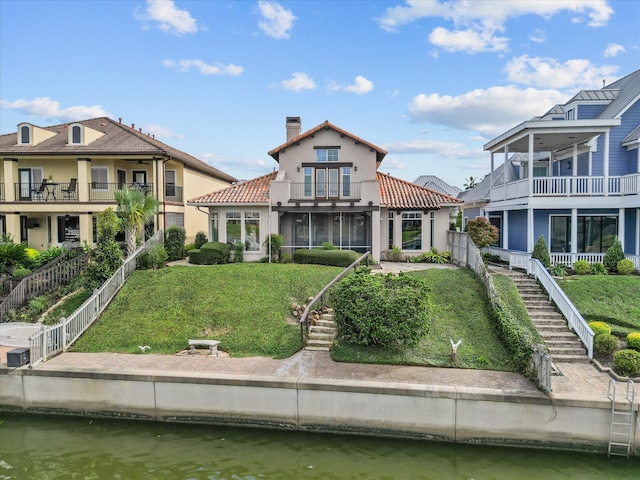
(325, 191)
(47, 191)
(105, 192)
(173, 193)
(569, 186)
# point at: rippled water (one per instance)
(38, 447)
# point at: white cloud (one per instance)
(159, 131)
(361, 86)
(488, 112)
(479, 21)
(170, 19)
(613, 49)
(235, 164)
(573, 74)
(393, 163)
(448, 150)
(276, 22)
(203, 68)
(300, 81)
(538, 36)
(45, 108)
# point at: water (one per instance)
(61, 448)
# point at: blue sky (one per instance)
(429, 81)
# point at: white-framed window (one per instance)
(327, 154)
(170, 183)
(75, 135)
(346, 181)
(24, 137)
(390, 236)
(411, 230)
(308, 182)
(234, 227)
(242, 227)
(100, 178)
(174, 219)
(540, 171)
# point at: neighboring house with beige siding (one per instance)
(328, 189)
(54, 180)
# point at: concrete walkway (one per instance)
(578, 380)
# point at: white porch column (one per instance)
(574, 230)
(621, 220)
(505, 230)
(530, 167)
(574, 162)
(530, 239)
(605, 156)
(376, 239)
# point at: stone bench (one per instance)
(211, 344)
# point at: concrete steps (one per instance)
(321, 335)
(563, 345)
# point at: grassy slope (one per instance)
(245, 306)
(613, 299)
(459, 311)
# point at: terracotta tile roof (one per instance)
(118, 139)
(380, 153)
(399, 194)
(252, 191)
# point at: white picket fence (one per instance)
(51, 340)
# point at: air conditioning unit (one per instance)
(18, 357)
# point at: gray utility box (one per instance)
(18, 357)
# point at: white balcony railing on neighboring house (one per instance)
(325, 191)
(568, 186)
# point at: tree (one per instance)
(106, 258)
(470, 183)
(482, 232)
(135, 210)
(541, 252)
(613, 255)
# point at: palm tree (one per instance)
(135, 209)
(470, 183)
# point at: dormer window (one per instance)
(76, 135)
(570, 114)
(25, 135)
(327, 154)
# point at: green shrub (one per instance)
(152, 258)
(582, 267)
(21, 272)
(106, 258)
(600, 328)
(273, 243)
(329, 246)
(285, 258)
(174, 242)
(633, 341)
(50, 254)
(381, 310)
(189, 246)
(559, 270)
(625, 267)
(613, 255)
(201, 239)
(393, 255)
(598, 269)
(38, 305)
(482, 232)
(605, 343)
(211, 253)
(433, 256)
(12, 253)
(541, 252)
(512, 322)
(238, 252)
(335, 258)
(627, 362)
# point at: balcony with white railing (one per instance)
(325, 191)
(568, 187)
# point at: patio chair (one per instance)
(70, 192)
(39, 191)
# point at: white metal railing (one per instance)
(568, 310)
(568, 186)
(57, 338)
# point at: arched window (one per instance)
(25, 134)
(76, 134)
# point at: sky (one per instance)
(429, 81)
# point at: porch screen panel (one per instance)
(252, 231)
(301, 230)
(234, 227)
(411, 231)
(560, 240)
(320, 225)
(596, 233)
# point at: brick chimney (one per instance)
(294, 127)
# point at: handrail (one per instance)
(304, 319)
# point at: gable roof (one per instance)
(118, 139)
(395, 194)
(326, 125)
(436, 184)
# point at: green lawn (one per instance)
(245, 306)
(460, 311)
(613, 299)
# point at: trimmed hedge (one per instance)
(633, 341)
(627, 362)
(211, 253)
(600, 328)
(605, 344)
(512, 322)
(334, 258)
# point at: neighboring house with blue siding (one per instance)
(582, 187)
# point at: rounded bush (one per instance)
(627, 362)
(600, 328)
(633, 341)
(582, 267)
(625, 267)
(605, 344)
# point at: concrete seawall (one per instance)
(435, 412)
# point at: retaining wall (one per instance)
(450, 414)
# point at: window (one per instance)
(215, 232)
(241, 227)
(411, 231)
(99, 178)
(595, 233)
(346, 181)
(234, 227)
(308, 182)
(252, 231)
(432, 228)
(540, 171)
(76, 135)
(321, 178)
(560, 238)
(25, 135)
(390, 245)
(174, 219)
(570, 114)
(170, 183)
(326, 155)
(333, 183)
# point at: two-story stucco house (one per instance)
(571, 175)
(55, 179)
(327, 188)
